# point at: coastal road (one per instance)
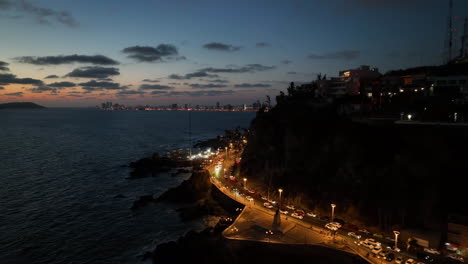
(256, 221)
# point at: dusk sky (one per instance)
(82, 53)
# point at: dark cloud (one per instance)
(151, 81)
(197, 74)
(221, 46)
(262, 44)
(41, 14)
(158, 92)
(3, 66)
(206, 86)
(93, 72)
(217, 81)
(12, 79)
(130, 92)
(94, 85)
(286, 61)
(247, 68)
(43, 88)
(338, 55)
(201, 93)
(19, 94)
(292, 72)
(62, 84)
(152, 54)
(66, 59)
(252, 85)
(155, 87)
(74, 95)
(51, 76)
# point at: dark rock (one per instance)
(197, 187)
(152, 166)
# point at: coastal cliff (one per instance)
(380, 174)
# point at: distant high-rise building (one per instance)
(244, 107)
(217, 105)
(174, 106)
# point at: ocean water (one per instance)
(60, 170)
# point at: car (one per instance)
(377, 235)
(420, 262)
(234, 189)
(291, 207)
(382, 254)
(376, 249)
(432, 251)
(364, 231)
(392, 248)
(410, 261)
(285, 212)
(366, 244)
(331, 227)
(296, 215)
(312, 214)
(264, 198)
(389, 257)
(272, 202)
(268, 205)
(372, 241)
(338, 225)
(456, 257)
(300, 212)
(251, 191)
(399, 260)
(390, 239)
(426, 257)
(352, 234)
(249, 198)
(338, 220)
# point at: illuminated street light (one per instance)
(245, 183)
(280, 191)
(409, 117)
(333, 212)
(396, 239)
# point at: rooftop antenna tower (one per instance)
(452, 42)
(464, 41)
(190, 131)
(449, 40)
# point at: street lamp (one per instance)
(245, 183)
(333, 212)
(280, 191)
(396, 239)
(226, 151)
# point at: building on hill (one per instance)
(350, 82)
